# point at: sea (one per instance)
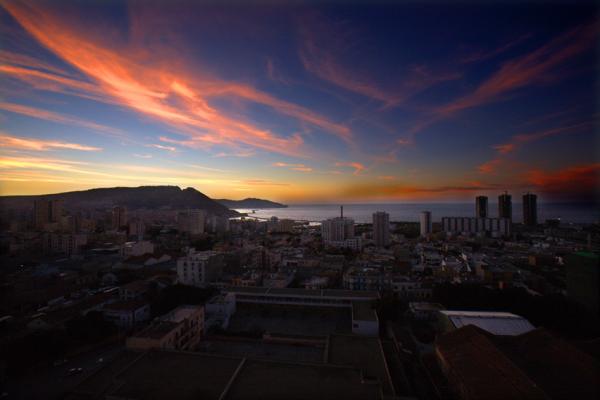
(576, 213)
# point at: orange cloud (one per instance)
(581, 182)
(40, 145)
(293, 167)
(358, 167)
(489, 166)
(163, 92)
(371, 191)
(263, 182)
(517, 141)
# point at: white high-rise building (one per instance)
(339, 232)
(199, 268)
(381, 228)
(425, 220)
(337, 229)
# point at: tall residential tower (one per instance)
(481, 207)
(381, 228)
(505, 206)
(530, 209)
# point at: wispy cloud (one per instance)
(534, 68)
(152, 89)
(358, 167)
(263, 182)
(577, 182)
(14, 142)
(322, 44)
(61, 119)
(486, 55)
(274, 74)
(293, 167)
(520, 140)
(162, 147)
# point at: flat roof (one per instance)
(186, 375)
(363, 311)
(259, 379)
(157, 330)
(498, 323)
(361, 352)
(126, 305)
(182, 312)
(482, 369)
(297, 292)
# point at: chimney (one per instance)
(342, 211)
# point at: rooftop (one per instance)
(361, 352)
(185, 375)
(480, 369)
(296, 292)
(363, 311)
(126, 305)
(498, 323)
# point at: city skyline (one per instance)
(330, 103)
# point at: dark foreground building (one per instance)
(534, 365)
(353, 368)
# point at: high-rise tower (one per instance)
(505, 206)
(481, 207)
(530, 209)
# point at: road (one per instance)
(54, 382)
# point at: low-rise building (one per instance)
(134, 249)
(364, 319)
(127, 313)
(219, 310)
(200, 268)
(497, 323)
(180, 329)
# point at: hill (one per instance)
(149, 197)
(250, 203)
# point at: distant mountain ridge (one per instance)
(150, 197)
(250, 202)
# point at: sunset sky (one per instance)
(300, 103)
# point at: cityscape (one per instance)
(306, 200)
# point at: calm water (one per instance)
(576, 213)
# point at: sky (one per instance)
(301, 102)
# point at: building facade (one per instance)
(199, 268)
(425, 223)
(505, 206)
(46, 212)
(481, 207)
(530, 209)
(180, 329)
(381, 229)
(467, 225)
(119, 217)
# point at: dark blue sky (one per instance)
(303, 102)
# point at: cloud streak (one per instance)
(22, 143)
(163, 92)
(520, 140)
(319, 54)
(533, 68)
(61, 119)
(358, 167)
